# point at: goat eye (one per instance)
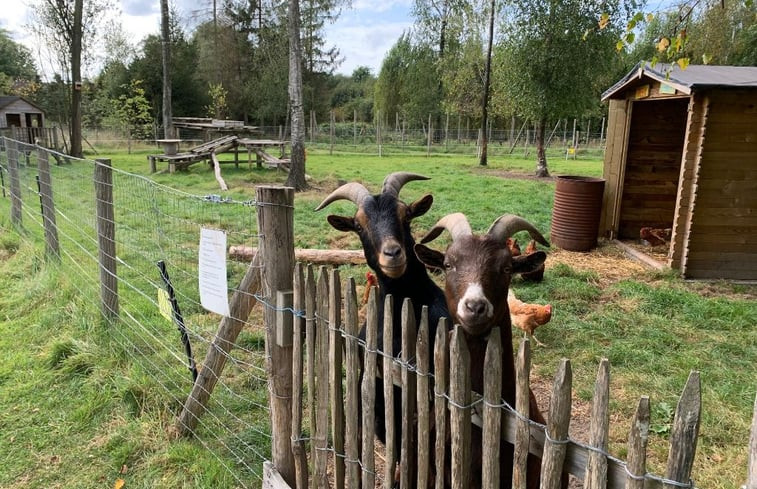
(358, 227)
(507, 270)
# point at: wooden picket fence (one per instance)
(336, 447)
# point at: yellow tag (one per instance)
(164, 304)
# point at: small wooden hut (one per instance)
(24, 121)
(682, 154)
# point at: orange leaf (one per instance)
(604, 19)
(119, 484)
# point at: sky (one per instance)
(363, 33)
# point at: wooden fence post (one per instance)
(490, 473)
(106, 237)
(52, 249)
(751, 481)
(637, 446)
(298, 445)
(596, 469)
(685, 432)
(276, 228)
(555, 445)
(522, 433)
(368, 389)
(11, 148)
(460, 412)
(336, 345)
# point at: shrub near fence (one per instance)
(306, 332)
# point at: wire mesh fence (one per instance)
(153, 223)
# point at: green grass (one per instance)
(77, 404)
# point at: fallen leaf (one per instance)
(54, 459)
(124, 469)
(119, 484)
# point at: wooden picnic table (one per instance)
(258, 146)
(170, 146)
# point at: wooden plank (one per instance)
(323, 364)
(441, 363)
(310, 348)
(336, 345)
(685, 432)
(557, 428)
(308, 255)
(352, 368)
(409, 396)
(271, 477)
(522, 405)
(637, 446)
(391, 452)
(596, 470)
(298, 324)
(369, 390)
(751, 482)
(422, 354)
(490, 473)
(217, 172)
(460, 411)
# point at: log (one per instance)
(318, 257)
(217, 170)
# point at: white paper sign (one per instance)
(213, 286)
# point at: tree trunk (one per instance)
(168, 129)
(75, 134)
(541, 155)
(485, 101)
(296, 177)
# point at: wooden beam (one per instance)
(318, 257)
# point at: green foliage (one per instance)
(218, 109)
(16, 60)
(133, 111)
(408, 83)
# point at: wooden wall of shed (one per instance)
(653, 163)
(723, 238)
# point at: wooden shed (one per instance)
(682, 154)
(24, 121)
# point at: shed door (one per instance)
(653, 165)
(12, 120)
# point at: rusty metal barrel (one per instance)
(576, 211)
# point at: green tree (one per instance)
(16, 60)
(547, 63)
(67, 27)
(133, 110)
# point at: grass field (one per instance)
(76, 410)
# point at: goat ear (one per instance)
(429, 257)
(528, 263)
(421, 206)
(342, 223)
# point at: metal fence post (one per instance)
(11, 147)
(276, 228)
(106, 237)
(52, 249)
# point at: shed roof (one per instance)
(693, 78)
(6, 100)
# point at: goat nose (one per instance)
(392, 250)
(475, 306)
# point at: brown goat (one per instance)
(478, 269)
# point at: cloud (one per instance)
(365, 45)
(140, 8)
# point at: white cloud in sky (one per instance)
(363, 34)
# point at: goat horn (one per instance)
(353, 191)
(394, 182)
(456, 224)
(507, 225)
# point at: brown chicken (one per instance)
(538, 274)
(370, 281)
(528, 317)
(655, 236)
(513, 246)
